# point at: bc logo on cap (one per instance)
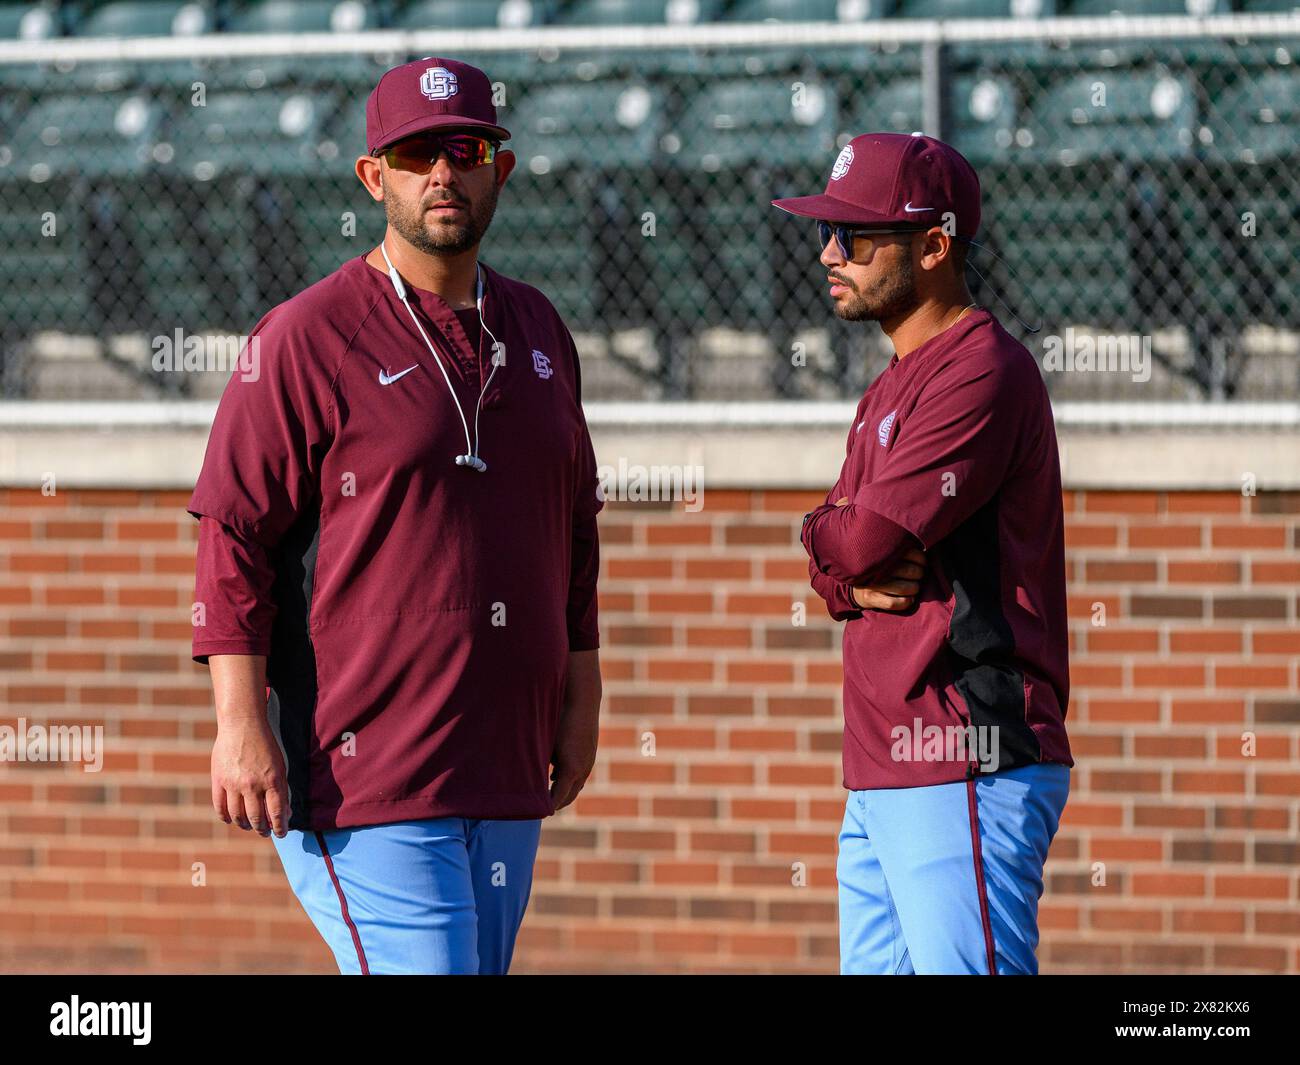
(438, 83)
(842, 163)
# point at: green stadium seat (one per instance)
(639, 12)
(287, 72)
(100, 155)
(603, 125)
(334, 214)
(777, 59)
(448, 14)
(345, 127)
(1081, 209)
(140, 18)
(39, 275)
(1257, 119)
(163, 218)
(1129, 51)
(957, 9)
(1142, 8)
(572, 208)
(236, 232)
(474, 14)
(804, 10)
(982, 113)
(1032, 59)
(146, 18)
(28, 22)
(757, 121)
(1225, 280)
(893, 106)
(302, 16)
(117, 264)
(544, 233)
(268, 132)
(1263, 269)
(321, 207)
(740, 144)
(1254, 127)
(286, 18)
(510, 67)
(1101, 177)
(1142, 115)
(89, 136)
(866, 65)
(639, 258)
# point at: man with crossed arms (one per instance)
(941, 549)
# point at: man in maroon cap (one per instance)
(941, 548)
(398, 536)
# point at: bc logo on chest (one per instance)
(885, 427)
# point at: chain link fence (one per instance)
(1141, 194)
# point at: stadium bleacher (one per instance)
(170, 196)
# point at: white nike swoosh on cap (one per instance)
(912, 210)
(385, 379)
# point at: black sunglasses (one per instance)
(845, 235)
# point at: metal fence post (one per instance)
(934, 88)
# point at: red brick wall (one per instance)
(682, 861)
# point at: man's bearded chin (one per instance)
(440, 238)
(892, 296)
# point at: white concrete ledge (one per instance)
(18, 414)
(740, 445)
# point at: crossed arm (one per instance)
(859, 560)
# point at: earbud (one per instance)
(469, 458)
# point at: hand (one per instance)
(574, 755)
(248, 777)
(899, 591)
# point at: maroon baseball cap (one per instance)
(430, 94)
(888, 178)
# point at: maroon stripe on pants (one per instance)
(343, 904)
(979, 876)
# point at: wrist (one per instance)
(241, 714)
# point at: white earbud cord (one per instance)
(471, 456)
(483, 325)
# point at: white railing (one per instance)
(603, 38)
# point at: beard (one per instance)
(440, 238)
(892, 295)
